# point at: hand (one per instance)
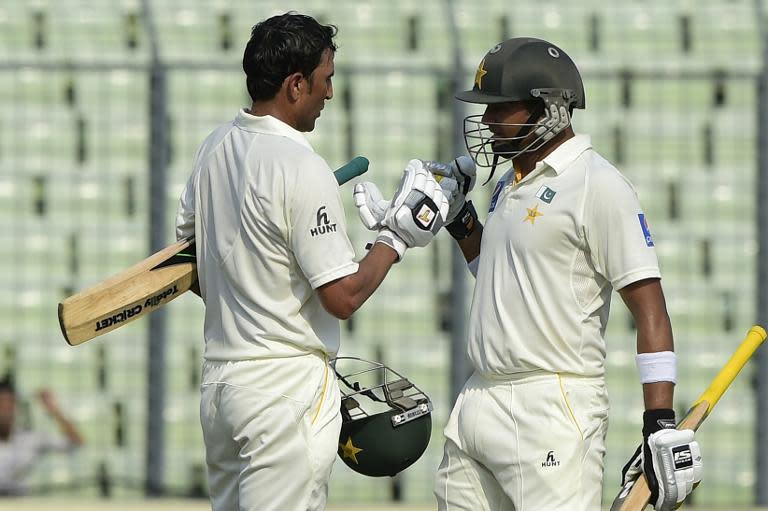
(653, 421)
(418, 208)
(654, 457)
(676, 465)
(47, 400)
(462, 170)
(371, 206)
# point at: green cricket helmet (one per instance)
(522, 69)
(394, 428)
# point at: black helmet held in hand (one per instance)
(394, 428)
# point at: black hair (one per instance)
(7, 384)
(283, 45)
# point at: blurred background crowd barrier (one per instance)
(104, 104)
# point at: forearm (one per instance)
(66, 426)
(344, 296)
(370, 273)
(654, 334)
(645, 300)
(470, 246)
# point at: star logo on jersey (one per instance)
(533, 214)
(349, 450)
(481, 72)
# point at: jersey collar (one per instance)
(270, 126)
(567, 152)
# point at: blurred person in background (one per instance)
(21, 449)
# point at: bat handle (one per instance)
(637, 498)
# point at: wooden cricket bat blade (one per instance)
(130, 294)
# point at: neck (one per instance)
(526, 162)
(262, 108)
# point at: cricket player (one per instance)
(277, 272)
(564, 229)
(20, 449)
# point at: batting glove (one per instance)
(669, 458)
(418, 208)
(462, 170)
(371, 206)
(675, 459)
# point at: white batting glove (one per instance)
(677, 466)
(370, 204)
(418, 208)
(463, 172)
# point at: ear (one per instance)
(295, 86)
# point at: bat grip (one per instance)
(350, 170)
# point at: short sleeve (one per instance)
(317, 230)
(617, 230)
(185, 214)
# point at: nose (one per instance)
(329, 92)
(487, 115)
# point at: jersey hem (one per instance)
(635, 276)
(336, 273)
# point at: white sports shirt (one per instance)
(554, 246)
(19, 454)
(269, 225)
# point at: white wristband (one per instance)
(473, 265)
(655, 367)
(393, 241)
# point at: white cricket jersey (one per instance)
(554, 247)
(269, 225)
(19, 454)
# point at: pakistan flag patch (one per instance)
(546, 194)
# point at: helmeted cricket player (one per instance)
(564, 229)
(276, 272)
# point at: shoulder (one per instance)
(602, 177)
(215, 137)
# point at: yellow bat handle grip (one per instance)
(748, 346)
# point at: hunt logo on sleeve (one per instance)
(323, 224)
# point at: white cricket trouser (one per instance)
(530, 442)
(271, 430)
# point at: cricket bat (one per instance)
(635, 496)
(146, 286)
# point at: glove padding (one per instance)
(677, 466)
(418, 208)
(463, 171)
(370, 204)
(648, 460)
